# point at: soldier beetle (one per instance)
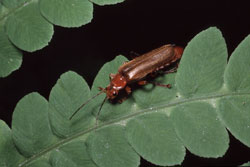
(136, 71)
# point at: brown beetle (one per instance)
(136, 70)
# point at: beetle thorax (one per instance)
(117, 83)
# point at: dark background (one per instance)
(135, 25)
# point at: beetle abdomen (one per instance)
(145, 64)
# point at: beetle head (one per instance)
(117, 83)
(111, 92)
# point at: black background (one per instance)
(135, 25)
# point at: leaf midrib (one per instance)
(126, 117)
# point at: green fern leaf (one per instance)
(9, 156)
(11, 4)
(106, 2)
(208, 97)
(234, 108)
(246, 164)
(34, 135)
(153, 137)
(73, 13)
(65, 97)
(28, 25)
(10, 61)
(28, 30)
(109, 147)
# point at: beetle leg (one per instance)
(159, 84)
(143, 82)
(128, 89)
(162, 85)
(155, 83)
(177, 64)
(122, 100)
(171, 71)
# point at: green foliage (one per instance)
(106, 2)
(109, 147)
(246, 164)
(65, 97)
(13, 3)
(28, 25)
(208, 53)
(8, 153)
(72, 13)
(63, 157)
(237, 76)
(168, 150)
(28, 30)
(199, 128)
(10, 61)
(34, 135)
(154, 122)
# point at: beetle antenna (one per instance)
(85, 104)
(96, 118)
